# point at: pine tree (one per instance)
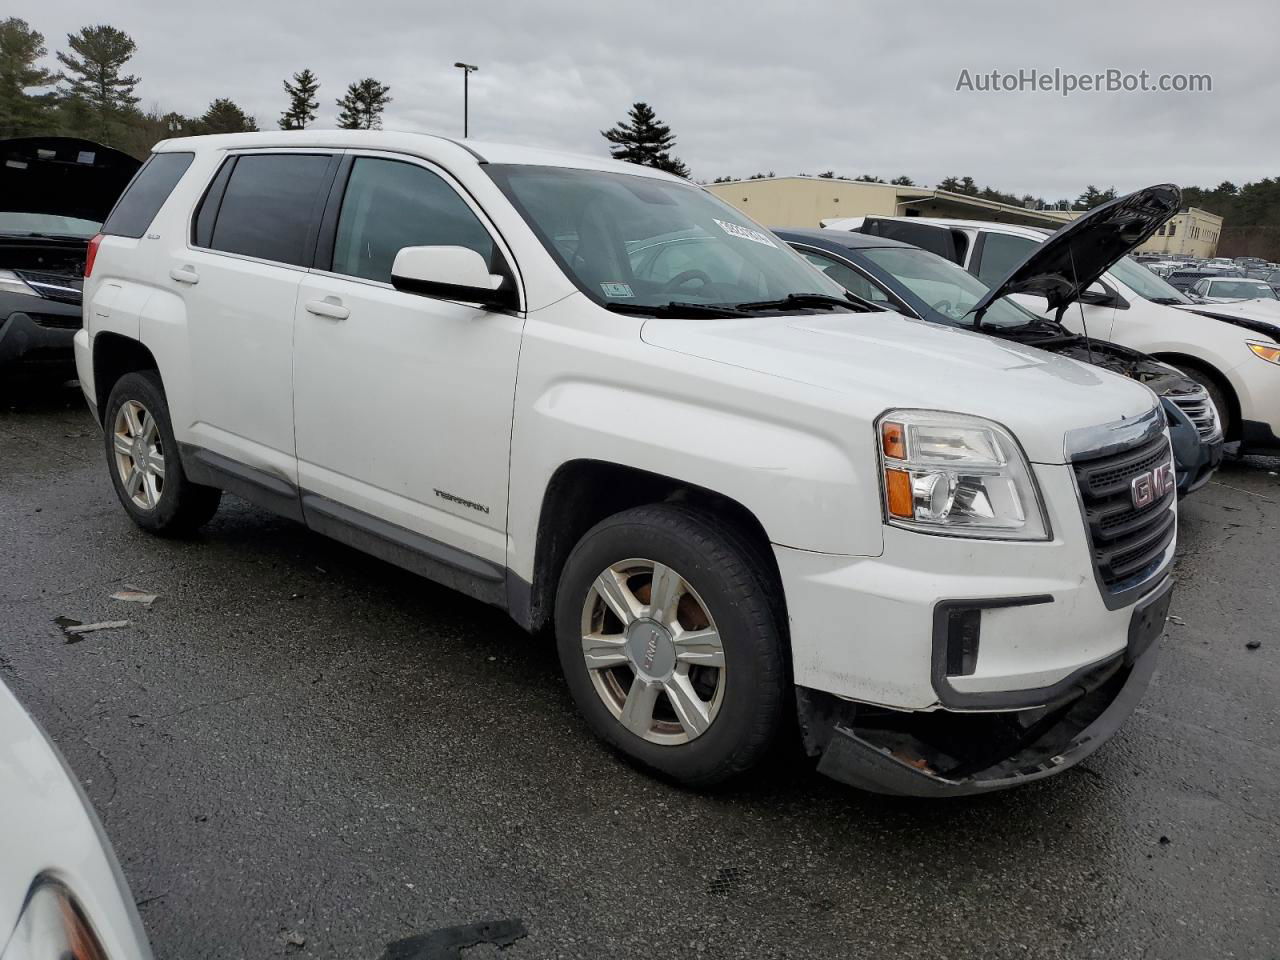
(21, 112)
(644, 140)
(225, 116)
(903, 182)
(361, 108)
(1092, 197)
(302, 101)
(98, 56)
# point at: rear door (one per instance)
(253, 237)
(403, 402)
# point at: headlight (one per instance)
(53, 927)
(10, 282)
(961, 476)
(1266, 352)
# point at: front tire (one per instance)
(142, 457)
(671, 643)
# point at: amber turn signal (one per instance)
(897, 485)
(1266, 352)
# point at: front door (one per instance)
(403, 403)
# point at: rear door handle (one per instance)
(185, 275)
(330, 307)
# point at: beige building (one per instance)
(806, 201)
(1193, 232)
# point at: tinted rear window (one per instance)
(270, 208)
(144, 197)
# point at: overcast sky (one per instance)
(747, 86)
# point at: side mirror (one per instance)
(1097, 295)
(451, 273)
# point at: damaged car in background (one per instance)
(1229, 351)
(54, 194)
(919, 283)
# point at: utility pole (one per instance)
(467, 70)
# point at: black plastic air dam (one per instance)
(852, 757)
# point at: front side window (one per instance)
(950, 291)
(638, 241)
(1000, 254)
(1144, 283)
(269, 207)
(847, 277)
(390, 204)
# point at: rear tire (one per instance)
(144, 463)
(694, 685)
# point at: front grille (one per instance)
(1128, 542)
(1200, 409)
(55, 321)
(54, 286)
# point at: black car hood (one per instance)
(1082, 251)
(62, 176)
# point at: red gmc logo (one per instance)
(1147, 488)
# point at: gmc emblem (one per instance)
(1147, 488)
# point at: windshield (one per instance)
(47, 224)
(1144, 283)
(1241, 290)
(632, 241)
(949, 289)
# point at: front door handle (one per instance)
(185, 274)
(330, 307)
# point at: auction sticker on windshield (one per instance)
(744, 233)
(617, 289)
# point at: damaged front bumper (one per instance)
(944, 753)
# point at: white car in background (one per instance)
(1230, 290)
(1232, 349)
(62, 895)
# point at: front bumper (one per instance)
(946, 754)
(33, 337)
(863, 628)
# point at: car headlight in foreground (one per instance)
(957, 475)
(53, 927)
(1266, 351)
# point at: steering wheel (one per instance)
(945, 308)
(687, 276)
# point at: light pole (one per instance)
(467, 70)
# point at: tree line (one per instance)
(92, 94)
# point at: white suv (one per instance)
(732, 492)
(1234, 353)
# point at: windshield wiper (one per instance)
(1167, 301)
(675, 308)
(802, 300)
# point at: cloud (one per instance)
(857, 87)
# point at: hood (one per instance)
(1082, 251)
(1260, 317)
(62, 176)
(875, 361)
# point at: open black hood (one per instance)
(1082, 251)
(62, 176)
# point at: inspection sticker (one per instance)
(617, 290)
(744, 233)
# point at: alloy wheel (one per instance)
(653, 652)
(139, 454)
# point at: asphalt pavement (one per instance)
(298, 750)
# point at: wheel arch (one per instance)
(583, 492)
(114, 355)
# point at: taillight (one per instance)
(91, 254)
